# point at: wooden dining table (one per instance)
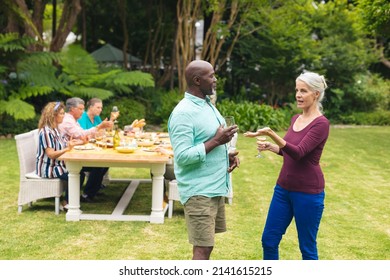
(93, 156)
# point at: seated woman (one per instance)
(52, 145)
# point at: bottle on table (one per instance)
(117, 138)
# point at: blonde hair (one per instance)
(49, 114)
(315, 82)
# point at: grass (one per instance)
(355, 225)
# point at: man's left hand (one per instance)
(234, 161)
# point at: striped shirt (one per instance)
(45, 166)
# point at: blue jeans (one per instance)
(306, 209)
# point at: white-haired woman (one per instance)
(299, 191)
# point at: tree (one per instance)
(28, 21)
(227, 20)
(295, 36)
(187, 14)
(73, 72)
(376, 16)
(263, 66)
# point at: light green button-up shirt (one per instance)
(193, 122)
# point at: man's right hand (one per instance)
(105, 124)
(225, 135)
(221, 137)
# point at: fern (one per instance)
(40, 75)
(10, 42)
(25, 92)
(123, 80)
(88, 92)
(72, 72)
(134, 78)
(78, 64)
(39, 58)
(17, 108)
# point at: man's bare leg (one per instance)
(201, 253)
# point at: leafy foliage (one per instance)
(379, 117)
(166, 103)
(41, 74)
(17, 108)
(376, 16)
(10, 42)
(129, 110)
(251, 116)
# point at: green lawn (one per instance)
(355, 225)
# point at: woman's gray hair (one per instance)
(315, 82)
(73, 103)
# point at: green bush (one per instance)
(166, 103)
(11, 126)
(368, 93)
(252, 116)
(379, 117)
(129, 110)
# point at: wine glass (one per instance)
(262, 139)
(230, 122)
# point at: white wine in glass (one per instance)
(260, 138)
(230, 122)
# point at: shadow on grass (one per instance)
(140, 204)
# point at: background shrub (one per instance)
(129, 110)
(252, 116)
(164, 106)
(10, 126)
(380, 117)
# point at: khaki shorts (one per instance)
(205, 216)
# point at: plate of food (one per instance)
(145, 143)
(102, 144)
(126, 150)
(84, 147)
(149, 150)
(163, 135)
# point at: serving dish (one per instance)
(145, 143)
(126, 150)
(84, 147)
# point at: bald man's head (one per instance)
(200, 78)
(196, 68)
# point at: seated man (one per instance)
(71, 129)
(91, 118)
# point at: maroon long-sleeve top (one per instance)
(301, 169)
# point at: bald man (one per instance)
(202, 163)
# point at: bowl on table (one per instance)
(126, 149)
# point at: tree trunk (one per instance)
(84, 25)
(122, 15)
(29, 27)
(187, 14)
(68, 19)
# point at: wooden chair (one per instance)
(32, 187)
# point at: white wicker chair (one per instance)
(33, 187)
(173, 194)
